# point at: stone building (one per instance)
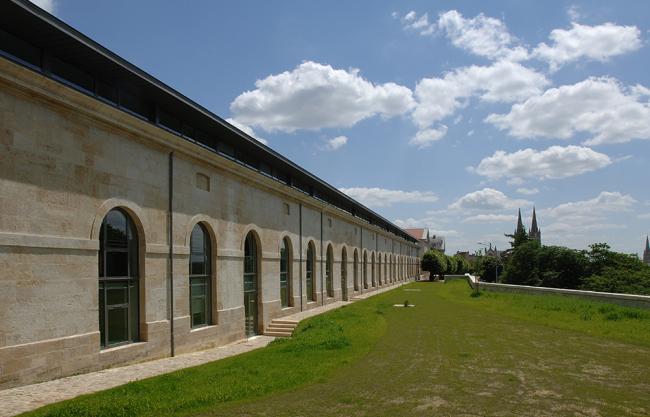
(135, 224)
(427, 240)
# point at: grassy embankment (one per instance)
(497, 354)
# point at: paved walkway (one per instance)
(18, 400)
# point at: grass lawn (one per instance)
(452, 354)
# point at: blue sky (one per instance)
(447, 115)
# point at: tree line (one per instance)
(529, 263)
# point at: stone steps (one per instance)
(281, 328)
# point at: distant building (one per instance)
(535, 232)
(646, 252)
(427, 240)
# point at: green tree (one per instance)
(617, 280)
(435, 263)
(561, 267)
(490, 268)
(522, 265)
(518, 238)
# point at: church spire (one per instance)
(647, 244)
(646, 251)
(520, 224)
(535, 233)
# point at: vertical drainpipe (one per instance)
(171, 253)
(322, 295)
(300, 247)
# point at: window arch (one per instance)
(309, 276)
(379, 268)
(344, 274)
(118, 280)
(329, 271)
(200, 277)
(285, 273)
(365, 270)
(356, 270)
(251, 284)
(373, 279)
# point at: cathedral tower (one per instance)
(535, 233)
(646, 252)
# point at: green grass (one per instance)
(320, 345)
(451, 354)
(612, 321)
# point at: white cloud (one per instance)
(644, 216)
(574, 13)
(426, 222)
(336, 143)
(605, 202)
(552, 163)
(47, 5)
(480, 35)
(597, 43)
(421, 24)
(380, 197)
(487, 199)
(598, 106)
(314, 96)
(502, 81)
(246, 129)
(425, 137)
(528, 191)
(490, 218)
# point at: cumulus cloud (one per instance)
(336, 143)
(426, 137)
(314, 96)
(246, 129)
(421, 24)
(487, 199)
(599, 106)
(426, 222)
(580, 217)
(605, 202)
(47, 5)
(490, 218)
(597, 43)
(502, 81)
(552, 163)
(528, 191)
(380, 197)
(481, 35)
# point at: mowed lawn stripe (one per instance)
(451, 354)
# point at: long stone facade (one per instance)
(68, 159)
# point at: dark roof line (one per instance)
(65, 29)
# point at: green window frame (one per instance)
(200, 277)
(118, 280)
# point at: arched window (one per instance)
(285, 275)
(372, 270)
(118, 280)
(379, 268)
(251, 283)
(365, 270)
(356, 270)
(200, 277)
(329, 270)
(344, 274)
(309, 276)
